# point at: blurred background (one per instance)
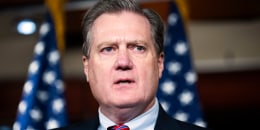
(224, 37)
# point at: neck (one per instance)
(121, 115)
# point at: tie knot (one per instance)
(118, 127)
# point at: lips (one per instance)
(124, 81)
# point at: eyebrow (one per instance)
(115, 42)
(138, 42)
(105, 43)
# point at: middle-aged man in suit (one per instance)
(123, 61)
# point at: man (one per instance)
(123, 62)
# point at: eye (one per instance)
(139, 48)
(107, 49)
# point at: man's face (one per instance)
(122, 69)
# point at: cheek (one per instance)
(99, 74)
(149, 75)
(98, 80)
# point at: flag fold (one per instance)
(177, 88)
(43, 105)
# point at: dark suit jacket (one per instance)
(164, 122)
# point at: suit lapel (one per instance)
(95, 124)
(165, 122)
(90, 124)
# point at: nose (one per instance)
(124, 61)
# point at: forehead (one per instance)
(121, 24)
(122, 15)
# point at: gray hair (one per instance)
(117, 6)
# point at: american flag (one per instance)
(177, 88)
(42, 105)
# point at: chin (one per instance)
(129, 102)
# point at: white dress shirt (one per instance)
(145, 121)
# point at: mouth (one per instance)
(124, 81)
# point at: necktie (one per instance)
(118, 127)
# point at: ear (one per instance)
(85, 65)
(161, 64)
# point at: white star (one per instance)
(181, 116)
(172, 19)
(186, 97)
(30, 128)
(33, 67)
(39, 48)
(165, 105)
(36, 114)
(53, 57)
(174, 67)
(52, 123)
(44, 29)
(57, 105)
(181, 48)
(59, 85)
(200, 123)
(16, 126)
(49, 77)
(42, 96)
(190, 77)
(28, 87)
(168, 87)
(22, 107)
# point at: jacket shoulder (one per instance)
(88, 124)
(188, 126)
(165, 122)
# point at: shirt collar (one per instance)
(145, 121)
